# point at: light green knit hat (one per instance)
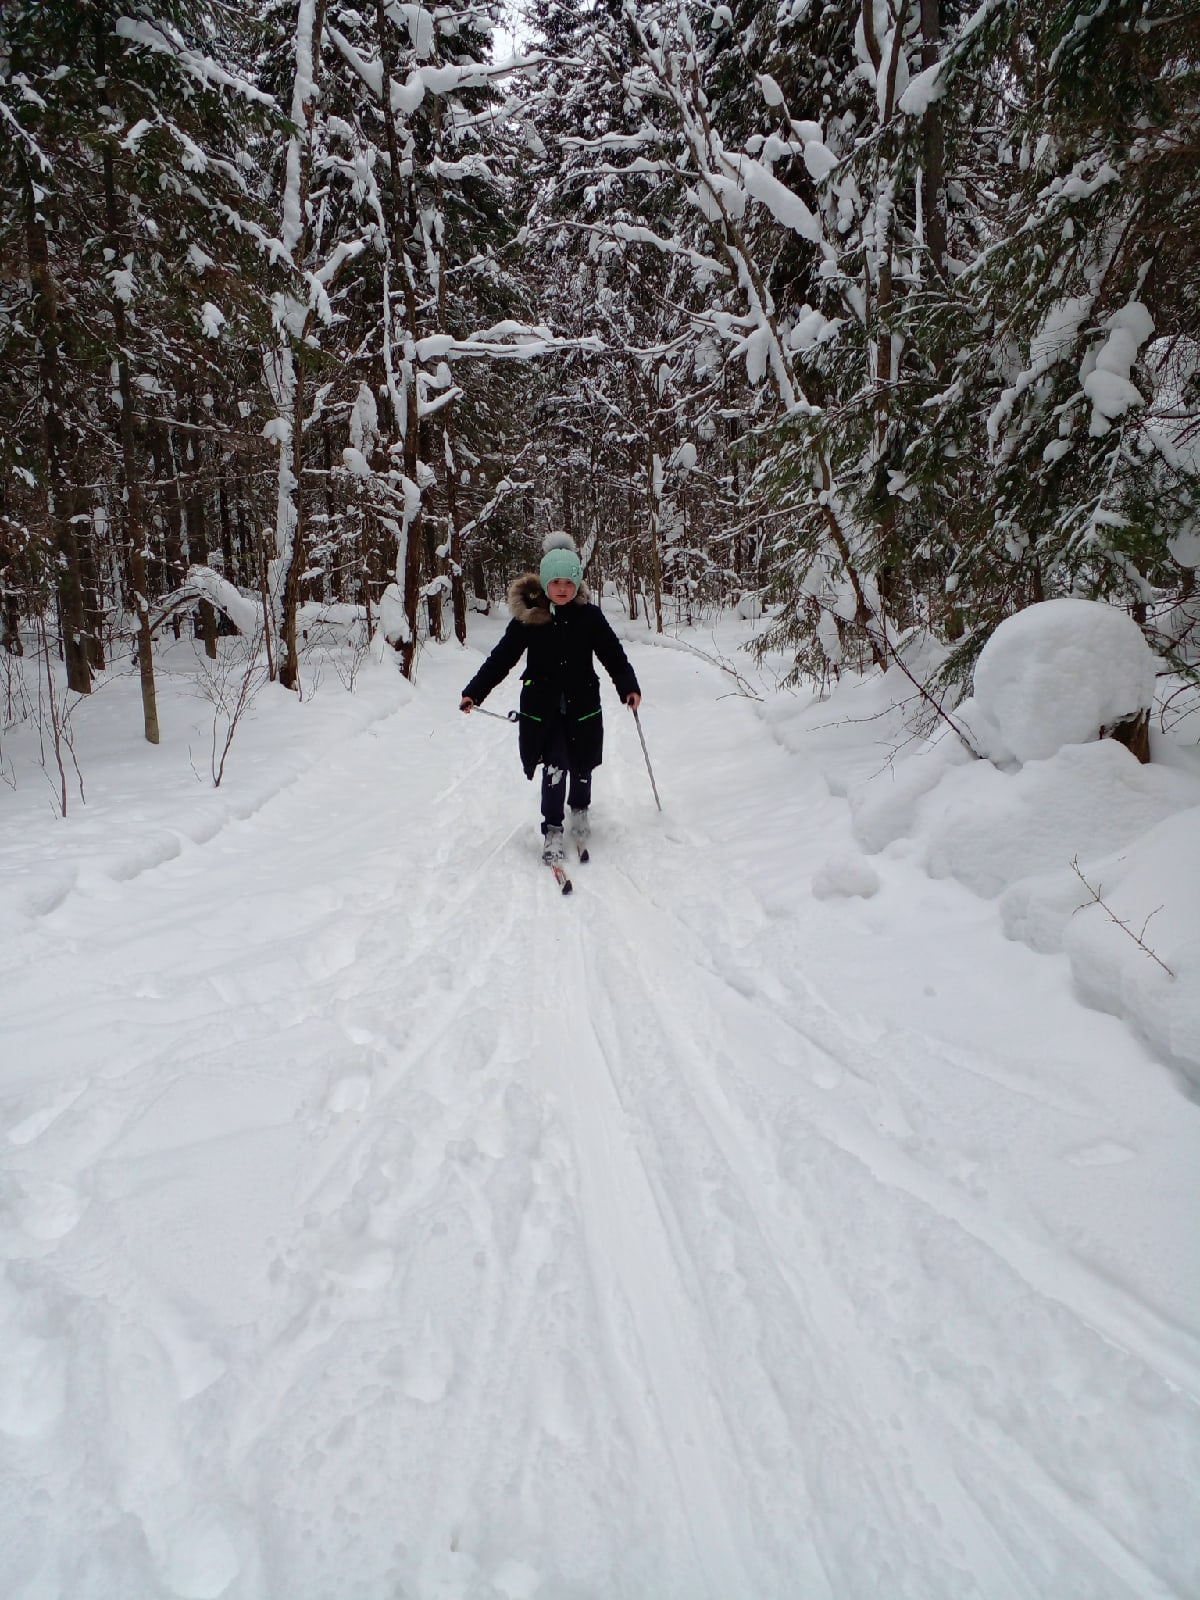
(560, 561)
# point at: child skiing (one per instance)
(558, 630)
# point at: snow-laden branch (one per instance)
(406, 97)
(931, 84)
(26, 138)
(272, 247)
(629, 233)
(202, 583)
(614, 141)
(513, 341)
(784, 204)
(720, 199)
(162, 39)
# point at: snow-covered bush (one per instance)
(1059, 673)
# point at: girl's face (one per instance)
(561, 591)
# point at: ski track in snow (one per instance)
(406, 1229)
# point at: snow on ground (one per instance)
(772, 1218)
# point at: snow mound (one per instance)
(989, 829)
(1127, 924)
(844, 877)
(1056, 674)
(1086, 853)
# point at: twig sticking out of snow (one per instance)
(935, 705)
(1097, 901)
(743, 688)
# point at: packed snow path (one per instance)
(381, 1223)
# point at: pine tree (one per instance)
(140, 218)
(1066, 392)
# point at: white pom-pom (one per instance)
(558, 541)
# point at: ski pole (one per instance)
(646, 753)
(509, 716)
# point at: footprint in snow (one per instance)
(201, 1560)
(33, 1384)
(330, 954)
(1104, 1153)
(44, 1210)
(516, 1580)
(36, 1122)
(368, 1266)
(424, 1367)
(351, 1092)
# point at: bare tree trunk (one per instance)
(479, 584)
(630, 533)
(290, 505)
(336, 587)
(166, 472)
(412, 555)
(933, 172)
(1134, 734)
(197, 522)
(289, 669)
(10, 605)
(61, 502)
(93, 604)
(226, 523)
(458, 589)
(408, 566)
(135, 536)
(433, 600)
(10, 626)
(264, 589)
(653, 488)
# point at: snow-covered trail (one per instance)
(382, 1223)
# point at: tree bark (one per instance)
(408, 565)
(131, 489)
(1134, 733)
(197, 521)
(458, 588)
(479, 584)
(10, 626)
(933, 171)
(653, 466)
(165, 470)
(289, 668)
(61, 501)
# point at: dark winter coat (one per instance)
(559, 646)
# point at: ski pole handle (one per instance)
(509, 716)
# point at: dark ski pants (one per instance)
(562, 784)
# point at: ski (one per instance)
(560, 876)
(583, 850)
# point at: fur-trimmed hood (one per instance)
(529, 602)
